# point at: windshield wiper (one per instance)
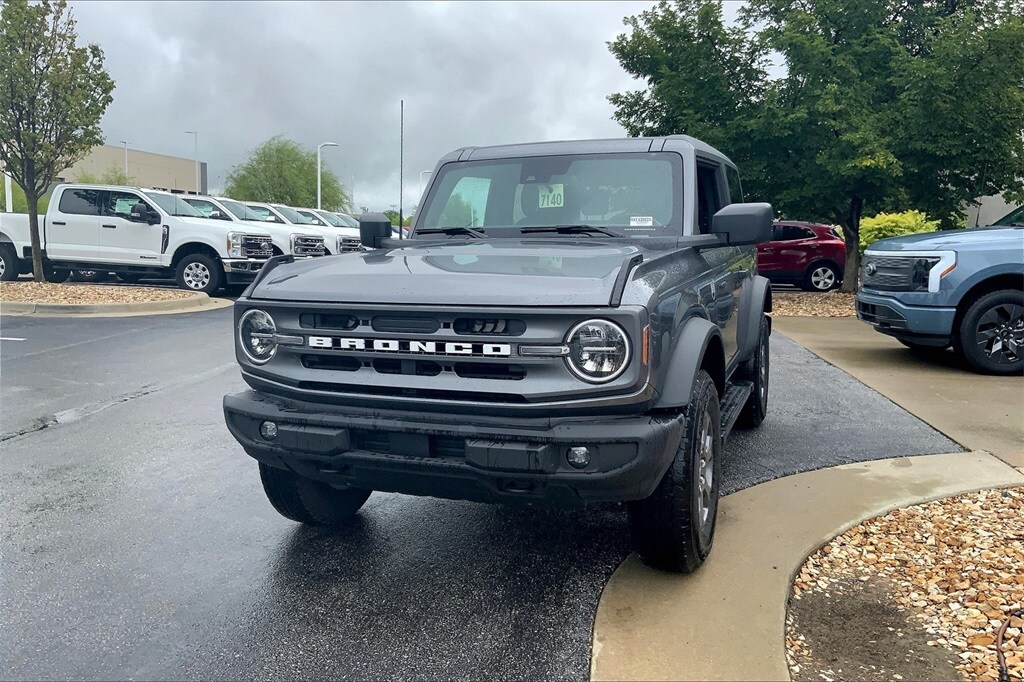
(570, 229)
(457, 229)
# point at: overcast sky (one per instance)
(470, 74)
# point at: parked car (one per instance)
(286, 237)
(806, 254)
(348, 220)
(346, 237)
(518, 354)
(134, 233)
(960, 288)
(305, 242)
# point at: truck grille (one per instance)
(309, 246)
(347, 244)
(887, 272)
(257, 247)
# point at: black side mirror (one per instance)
(139, 213)
(216, 214)
(374, 228)
(744, 224)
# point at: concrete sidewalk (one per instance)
(727, 620)
(979, 412)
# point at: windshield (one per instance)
(265, 214)
(174, 205)
(240, 211)
(330, 218)
(635, 194)
(293, 216)
(1013, 219)
(348, 220)
(311, 218)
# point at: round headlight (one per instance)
(256, 335)
(598, 350)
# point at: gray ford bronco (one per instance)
(567, 322)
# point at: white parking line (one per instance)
(10, 338)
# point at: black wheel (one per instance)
(8, 263)
(991, 334)
(129, 277)
(199, 272)
(821, 277)
(308, 501)
(88, 276)
(673, 528)
(755, 370)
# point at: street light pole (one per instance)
(125, 157)
(195, 139)
(352, 193)
(318, 166)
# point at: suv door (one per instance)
(726, 263)
(72, 226)
(123, 240)
(795, 250)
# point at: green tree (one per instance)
(882, 104)
(283, 171)
(52, 96)
(112, 176)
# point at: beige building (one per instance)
(145, 169)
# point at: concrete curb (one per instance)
(197, 302)
(727, 621)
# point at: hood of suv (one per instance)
(465, 273)
(950, 239)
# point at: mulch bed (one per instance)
(85, 294)
(813, 304)
(915, 594)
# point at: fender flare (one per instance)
(755, 300)
(687, 357)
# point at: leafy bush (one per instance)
(894, 225)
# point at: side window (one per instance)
(81, 201)
(467, 204)
(120, 204)
(708, 196)
(206, 208)
(735, 189)
(792, 233)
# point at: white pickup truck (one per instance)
(134, 233)
(346, 237)
(296, 240)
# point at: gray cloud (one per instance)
(470, 74)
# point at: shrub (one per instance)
(894, 225)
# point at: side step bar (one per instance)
(736, 394)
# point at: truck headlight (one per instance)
(256, 330)
(598, 350)
(235, 249)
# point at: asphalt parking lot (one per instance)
(137, 542)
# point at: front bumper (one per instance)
(242, 270)
(921, 324)
(485, 459)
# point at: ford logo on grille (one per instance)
(487, 350)
(870, 269)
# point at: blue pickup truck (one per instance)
(963, 289)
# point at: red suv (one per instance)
(806, 254)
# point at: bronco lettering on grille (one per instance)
(490, 350)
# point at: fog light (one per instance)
(578, 457)
(268, 430)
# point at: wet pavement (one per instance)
(136, 541)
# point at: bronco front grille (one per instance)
(309, 246)
(257, 247)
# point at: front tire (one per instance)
(674, 528)
(8, 263)
(821, 277)
(199, 272)
(991, 334)
(755, 370)
(307, 501)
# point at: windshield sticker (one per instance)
(641, 221)
(551, 196)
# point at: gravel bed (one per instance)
(86, 294)
(954, 566)
(813, 304)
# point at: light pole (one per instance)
(125, 158)
(318, 162)
(195, 140)
(422, 173)
(352, 193)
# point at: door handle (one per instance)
(112, 227)
(58, 222)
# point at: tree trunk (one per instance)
(33, 227)
(851, 235)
